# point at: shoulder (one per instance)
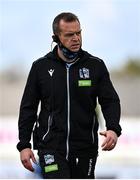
(42, 60)
(97, 63)
(93, 58)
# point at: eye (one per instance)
(78, 33)
(72, 34)
(69, 34)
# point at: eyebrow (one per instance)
(71, 32)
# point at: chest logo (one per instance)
(51, 71)
(84, 73)
(48, 158)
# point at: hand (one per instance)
(110, 140)
(25, 156)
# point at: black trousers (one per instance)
(55, 166)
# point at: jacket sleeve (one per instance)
(109, 101)
(28, 110)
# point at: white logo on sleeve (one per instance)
(51, 71)
(90, 167)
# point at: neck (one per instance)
(64, 58)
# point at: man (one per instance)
(67, 83)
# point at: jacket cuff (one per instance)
(117, 131)
(23, 145)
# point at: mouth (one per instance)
(75, 46)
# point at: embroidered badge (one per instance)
(49, 158)
(50, 168)
(84, 83)
(84, 73)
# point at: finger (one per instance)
(103, 133)
(33, 158)
(109, 146)
(30, 167)
(110, 143)
(106, 141)
(105, 147)
(27, 164)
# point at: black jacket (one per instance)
(67, 120)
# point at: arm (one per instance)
(110, 106)
(28, 116)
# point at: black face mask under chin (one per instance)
(67, 53)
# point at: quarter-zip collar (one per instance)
(83, 55)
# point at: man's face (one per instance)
(70, 35)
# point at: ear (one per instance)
(55, 38)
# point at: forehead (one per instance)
(69, 26)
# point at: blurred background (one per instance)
(111, 31)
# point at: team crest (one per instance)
(84, 73)
(49, 158)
